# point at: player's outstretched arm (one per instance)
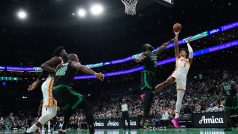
(140, 57)
(38, 80)
(176, 48)
(34, 85)
(190, 50)
(87, 70)
(51, 64)
(40, 108)
(162, 47)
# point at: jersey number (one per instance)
(62, 71)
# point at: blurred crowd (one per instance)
(201, 95)
(16, 122)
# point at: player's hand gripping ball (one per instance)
(177, 27)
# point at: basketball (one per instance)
(177, 27)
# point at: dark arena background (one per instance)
(107, 36)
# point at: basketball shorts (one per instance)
(180, 80)
(67, 97)
(231, 103)
(43, 110)
(148, 80)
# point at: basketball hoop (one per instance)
(130, 6)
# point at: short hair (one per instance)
(186, 50)
(71, 56)
(58, 50)
(147, 47)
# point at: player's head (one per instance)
(183, 52)
(73, 57)
(147, 47)
(60, 52)
(225, 75)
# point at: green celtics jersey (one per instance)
(229, 91)
(150, 62)
(65, 74)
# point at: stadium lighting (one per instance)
(166, 61)
(96, 9)
(24, 97)
(22, 14)
(81, 12)
(220, 29)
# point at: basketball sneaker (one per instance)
(175, 122)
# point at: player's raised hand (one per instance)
(33, 85)
(189, 39)
(99, 76)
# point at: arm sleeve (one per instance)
(190, 50)
(138, 56)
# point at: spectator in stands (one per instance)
(156, 118)
(125, 114)
(187, 109)
(200, 95)
(165, 120)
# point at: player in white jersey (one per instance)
(183, 62)
(46, 89)
(49, 107)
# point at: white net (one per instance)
(130, 6)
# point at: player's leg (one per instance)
(227, 113)
(69, 101)
(181, 87)
(50, 113)
(42, 120)
(123, 120)
(180, 95)
(149, 95)
(88, 111)
(62, 96)
(76, 101)
(44, 109)
(128, 120)
(46, 115)
(49, 130)
(148, 85)
(147, 102)
(164, 84)
(67, 116)
(60, 93)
